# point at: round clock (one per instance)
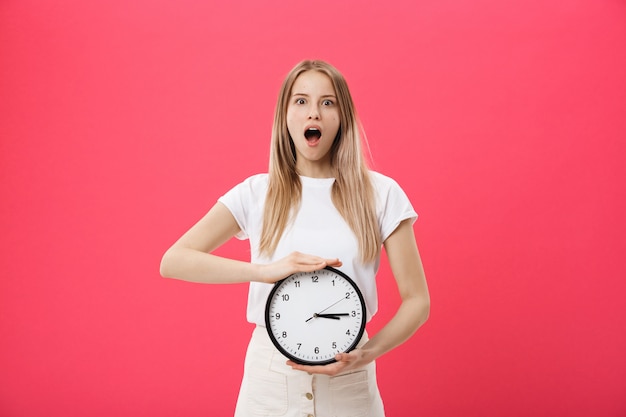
(312, 316)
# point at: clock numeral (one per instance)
(325, 326)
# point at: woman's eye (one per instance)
(300, 101)
(327, 102)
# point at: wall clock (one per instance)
(312, 316)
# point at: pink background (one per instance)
(121, 123)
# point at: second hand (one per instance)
(332, 305)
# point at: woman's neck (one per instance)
(313, 170)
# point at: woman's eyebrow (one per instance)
(306, 95)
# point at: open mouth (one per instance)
(312, 134)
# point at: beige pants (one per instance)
(271, 388)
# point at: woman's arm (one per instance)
(190, 258)
(408, 271)
(414, 309)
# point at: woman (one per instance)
(318, 206)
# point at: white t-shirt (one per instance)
(318, 229)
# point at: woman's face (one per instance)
(313, 120)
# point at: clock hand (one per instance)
(327, 316)
(332, 315)
(332, 305)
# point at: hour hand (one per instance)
(334, 316)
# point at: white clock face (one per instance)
(312, 316)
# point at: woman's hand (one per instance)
(292, 263)
(345, 362)
(191, 259)
(413, 311)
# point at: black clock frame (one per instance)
(294, 358)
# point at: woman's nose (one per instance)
(314, 112)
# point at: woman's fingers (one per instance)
(345, 361)
(295, 262)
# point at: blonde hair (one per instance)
(352, 192)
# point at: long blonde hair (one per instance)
(352, 192)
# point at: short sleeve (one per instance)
(244, 200)
(393, 205)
